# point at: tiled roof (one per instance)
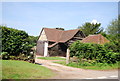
(97, 39)
(56, 35)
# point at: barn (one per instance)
(54, 42)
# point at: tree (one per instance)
(113, 34)
(114, 27)
(91, 28)
(33, 40)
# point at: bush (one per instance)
(5, 55)
(14, 41)
(93, 53)
(112, 46)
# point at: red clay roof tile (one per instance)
(56, 35)
(97, 39)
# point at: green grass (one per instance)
(0, 69)
(12, 69)
(93, 67)
(51, 58)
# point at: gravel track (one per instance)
(66, 72)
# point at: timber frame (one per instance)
(54, 42)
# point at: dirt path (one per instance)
(65, 72)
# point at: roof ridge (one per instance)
(57, 35)
(54, 29)
(61, 30)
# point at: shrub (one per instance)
(5, 55)
(112, 46)
(14, 41)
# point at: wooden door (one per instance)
(40, 48)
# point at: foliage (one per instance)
(14, 41)
(5, 55)
(93, 53)
(32, 40)
(90, 28)
(114, 27)
(112, 33)
(114, 46)
(23, 70)
(114, 42)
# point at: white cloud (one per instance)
(94, 21)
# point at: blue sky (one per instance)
(33, 16)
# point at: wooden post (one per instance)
(45, 49)
(68, 56)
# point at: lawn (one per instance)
(12, 69)
(0, 69)
(94, 67)
(51, 58)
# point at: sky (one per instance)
(33, 16)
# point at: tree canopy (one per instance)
(114, 27)
(91, 28)
(112, 33)
(33, 40)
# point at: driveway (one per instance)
(66, 72)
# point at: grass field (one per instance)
(12, 69)
(94, 67)
(51, 58)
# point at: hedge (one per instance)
(14, 43)
(94, 53)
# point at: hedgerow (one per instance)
(14, 43)
(93, 53)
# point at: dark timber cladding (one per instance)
(40, 45)
(58, 40)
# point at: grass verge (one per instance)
(12, 69)
(51, 58)
(92, 67)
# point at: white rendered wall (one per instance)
(45, 49)
(43, 36)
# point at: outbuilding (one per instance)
(54, 42)
(96, 39)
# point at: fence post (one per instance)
(68, 56)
